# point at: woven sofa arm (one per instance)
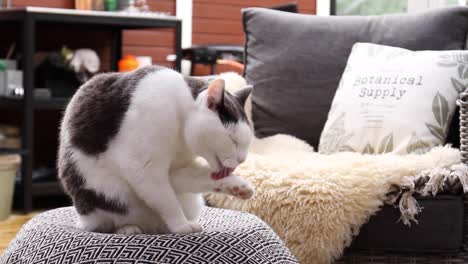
(463, 103)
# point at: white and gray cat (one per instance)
(130, 148)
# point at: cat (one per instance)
(137, 149)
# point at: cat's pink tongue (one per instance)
(223, 173)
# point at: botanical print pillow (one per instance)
(394, 100)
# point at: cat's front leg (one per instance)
(199, 177)
(152, 185)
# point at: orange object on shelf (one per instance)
(128, 63)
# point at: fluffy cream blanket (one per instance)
(317, 203)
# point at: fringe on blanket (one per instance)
(429, 182)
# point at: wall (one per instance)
(219, 21)
(156, 43)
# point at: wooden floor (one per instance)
(9, 228)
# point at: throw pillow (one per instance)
(394, 100)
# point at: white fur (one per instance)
(152, 166)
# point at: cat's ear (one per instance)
(215, 93)
(242, 94)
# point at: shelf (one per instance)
(118, 20)
(43, 188)
(47, 188)
(38, 103)
(52, 103)
(30, 22)
(9, 102)
(13, 151)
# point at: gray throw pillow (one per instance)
(295, 61)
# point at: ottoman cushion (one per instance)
(228, 237)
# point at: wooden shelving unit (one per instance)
(27, 20)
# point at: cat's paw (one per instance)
(187, 228)
(241, 189)
(129, 230)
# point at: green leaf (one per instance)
(416, 145)
(386, 145)
(346, 148)
(438, 132)
(440, 109)
(368, 149)
(448, 64)
(457, 85)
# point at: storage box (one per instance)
(8, 167)
(13, 82)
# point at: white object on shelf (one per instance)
(144, 61)
(13, 83)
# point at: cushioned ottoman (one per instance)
(228, 237)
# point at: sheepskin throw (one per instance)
(316, 203)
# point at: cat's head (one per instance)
(217, 129)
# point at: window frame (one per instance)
(413, 5)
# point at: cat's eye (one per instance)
(234, 141)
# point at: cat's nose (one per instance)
(241, 159)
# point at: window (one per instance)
(369, 7)
(379, 7)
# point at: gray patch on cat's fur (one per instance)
(243, 94)
(231, 110)
(100, 107)
(85, 200)
(196, 84)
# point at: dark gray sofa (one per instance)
(295, 63)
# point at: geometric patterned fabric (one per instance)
(227, 237)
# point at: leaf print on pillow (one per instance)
(335, 136)
(440, 109)
(416, 145)
(437, 132)
(453, 60)
(457, 85)
(346, 148)
(447, 63)
(461, 70)
(386, 145)
(368, 149)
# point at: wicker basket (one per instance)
(462, 255)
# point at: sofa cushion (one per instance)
(439, 228)
(295, 61)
